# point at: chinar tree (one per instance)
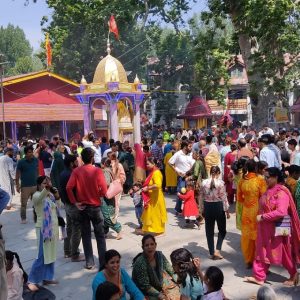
(268, 33)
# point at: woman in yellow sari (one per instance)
(154, 216)
(171, 176)
(250, 188)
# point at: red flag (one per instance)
(113, 26)
(48, 51)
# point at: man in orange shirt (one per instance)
(243, 150)
(90, 186)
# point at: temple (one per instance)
(111, 92)
(197, 114)
(44, 104)
(39, 104)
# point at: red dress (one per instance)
(228, 175)
(190, 208)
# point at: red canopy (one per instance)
(197, 108)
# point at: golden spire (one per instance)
(136, 80)
(108, 50)
(83, 81)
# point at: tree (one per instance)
(175, 66)
(269, 40)
(25, 65)
(13, 43)
(17, 50)
(78, 31)
(214, 43)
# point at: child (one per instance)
(16, 276)
(136, 193)
(190, 207)
(107, 291)
(188, 276)
(213, 282)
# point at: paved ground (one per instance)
(75, 282)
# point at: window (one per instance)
(236, 71)
(237, 94)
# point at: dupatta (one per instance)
(146, 195)
(295, 223)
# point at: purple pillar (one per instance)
(137, 123)
(14, 131)
(65, 130)
(114, 126)
(86, 118)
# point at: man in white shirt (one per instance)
(113, 148)
(266, 130)
(266, 154)
(243, 133)
(97, 153)
(181, 162)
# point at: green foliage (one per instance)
(79, 29)
(175, 66)
(17, 51)
(269, 39)
(25, 65)
(13, 43)
(215, 42)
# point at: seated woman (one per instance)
(152, 272)
(113, 273)
(16, 276)
(189, 278)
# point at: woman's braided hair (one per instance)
(185, 263)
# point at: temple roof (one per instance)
(197, 108)
(110, 69)
(32, 75)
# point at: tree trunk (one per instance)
(259, 104)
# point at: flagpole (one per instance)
(108, 41)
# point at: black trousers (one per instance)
(85, 217)
(214, 212)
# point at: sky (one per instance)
(26, 17)
(29, 17)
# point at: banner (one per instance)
(278, 115)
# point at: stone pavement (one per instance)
(75, 282)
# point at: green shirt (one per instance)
(29, 171)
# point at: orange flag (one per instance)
(48, 51)
(113, 26)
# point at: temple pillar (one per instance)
(14, 131)
(65, 130)
(137, 123)
(86, 118)
(113, 117)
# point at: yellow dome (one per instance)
(110, 69)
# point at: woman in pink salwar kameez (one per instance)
(281, 248)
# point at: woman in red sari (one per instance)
(154, 216)
(228, 175)
(278, 231)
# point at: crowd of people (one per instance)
(207, 170)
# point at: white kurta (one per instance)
(7, 174)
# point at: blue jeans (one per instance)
(40, 271)
(4, 199)
(138, 213)
(180, 184)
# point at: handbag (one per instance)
(114, 189)
(283, 226)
